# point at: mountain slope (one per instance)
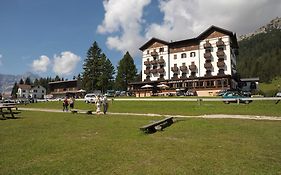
(260, 55)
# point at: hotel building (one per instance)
(205, 64)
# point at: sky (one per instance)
(52, 37)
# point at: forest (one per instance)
(260, 56)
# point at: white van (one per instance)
(90, 98)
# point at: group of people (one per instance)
(101, 101)
(68, 102)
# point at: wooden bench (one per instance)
(151, 128)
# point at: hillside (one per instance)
(260, 54)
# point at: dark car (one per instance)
(235, 95)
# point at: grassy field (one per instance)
(268, 108)
(63, 143)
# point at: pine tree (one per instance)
(91, 68)
(126, 72)
(27, 81)
(14, 90)
(105, 80)
(21, 81)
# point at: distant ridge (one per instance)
(7, 81)
(273, 24)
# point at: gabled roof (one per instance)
(24, 86)
(221, 30)
(202, 36)
(151, 41)
(212, 29)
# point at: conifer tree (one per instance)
(126, 72)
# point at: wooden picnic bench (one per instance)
(151, 128)
(8, 110)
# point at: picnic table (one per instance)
(8, 110)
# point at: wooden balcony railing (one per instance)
(175, 69)
(161, 70)
(207, 45)
(153, 53)
(220, 54)
(220, 43)
(221, 64)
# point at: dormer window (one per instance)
(192, 54)
(183, 55)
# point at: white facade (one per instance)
(37, 92)
(26, 91)
(213, 53)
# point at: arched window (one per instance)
(183, 55)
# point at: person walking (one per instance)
(65, 104)
(105, 104)
(98, 104)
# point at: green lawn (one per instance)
(268, 108)
(63, 143)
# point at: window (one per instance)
(35, 90)
(42, 91)
(183, 55)
(147, 51)
(192, 54)
(161, 49)
(175, 56)
(23, 91)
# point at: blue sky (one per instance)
(50, 37)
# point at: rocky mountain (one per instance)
(273, 24)
(7, 81)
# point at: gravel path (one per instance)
(214, 116)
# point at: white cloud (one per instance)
(183, 19)
(65, 63)
(1, 60)
(126, 17)
(41, 64)
(188, 18)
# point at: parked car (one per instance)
(90, 98)
(278, 94)
(236, 96)
(222, 92)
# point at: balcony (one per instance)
(208, 65)
(183, 69)
(147, 78)
(175, 77)
(154, 54)
(161, 70)
(147, 71)
(192, 67)
(175, 69)
(207, 55)
(154, 71)
(220, 54)
(161, 61)
(183, 76)
(208, 73)
(221, 72)
(207, 45)
(221, 64)
(161, 79)
(192, 75)
(153, 62)
(220, 43)
(147, 63)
